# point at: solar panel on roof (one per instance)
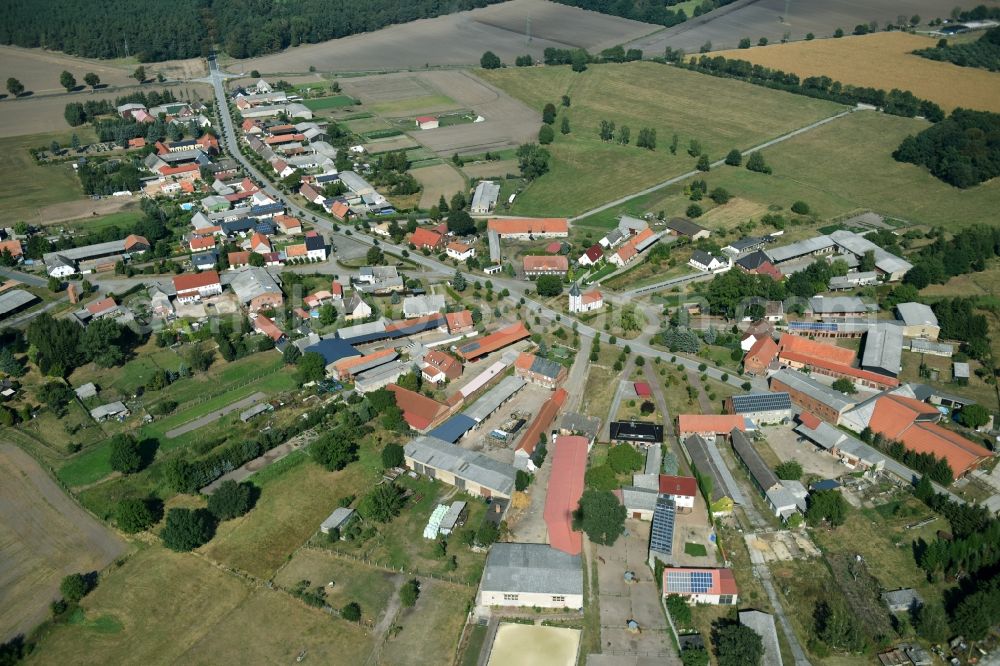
(661, 535)
(761, 402)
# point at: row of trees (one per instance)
(895, 102)
(646, 138)
(983, 53)
(648, 12)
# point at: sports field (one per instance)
(883, 60)
(840, 167)
(585, 172)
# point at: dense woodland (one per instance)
(983, 53)
(649, 12)
(156, 31)
(963, 150)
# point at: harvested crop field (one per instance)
(507, 121)
(495, 169)
(883, 60)
(44, 535)
(458, 39)
(438, 180)
(39, 69)
(767, 18)
(33, 115)
(402, 142)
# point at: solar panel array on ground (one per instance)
(688, 582)
(661, 536)
(761, 402)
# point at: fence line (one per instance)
(386, 567)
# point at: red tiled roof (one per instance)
(721, 424)
(591, 296)
(137, 143)
(642, 389)
(541, 423)
(807, 347)
(494, 341)
(207, 231)
(442, 362)
(549, 225)
(134, 239)
(626, 252)
(296, 250)
(259, 239)
(418, 410)
(569, 463)
(895, 413)
(459, 247)
(337, 289)
(425, 119)
(541, 263)
(177, 170)
(12, 246)
(683, 486)
(100, 306)
(202, 242)
(459, 320)
(425, 238)
(190, 281)
(340, 209)
(769, 269)
(594, 252)
(839, 368)
(266, 326)
(809, 420)
(553, 247)
(761, 354)
(287, 222)
(343, 367)
(961, 454)
(239, 258)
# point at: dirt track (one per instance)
(458, 39)
(44, 535)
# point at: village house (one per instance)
(528, 228)
(545, 265)
(439, 367)
(460, 251)
(192, 287)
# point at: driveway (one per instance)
(212, 417)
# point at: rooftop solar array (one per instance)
(689, 582)
(761, 402)
(661, 535)
(811, 326)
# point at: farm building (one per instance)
(919, 321)
(537, 370)
(112, 410)
(569, 462)
(337, 520)
(484, 199)
(811, 395)
(531, 575)
(427, 122)
(783, 497)
(661, 532)
(702, 586)
(15, 300)
(487, 344)
(455, 517)
(681, 226)
(903, 600)
(529, 228)
(709, 425)
(761, 408)
(851, 451)
(421, 306)
(467, 470)
(439, 367)
(545, 265)
(706, 462)
(709, 263)
(762, 624)
(639, 503)
(460, 322)
(192, 287)
(419, 411)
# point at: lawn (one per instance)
(586, 172)
(335, 102)
(477, 636)
(352, 581)
(695, 549)
(296, 496)
(124, 219)
(846, 179)
(163, 607)
(29, 186)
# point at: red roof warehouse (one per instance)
(565, 489)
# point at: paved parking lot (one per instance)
(639, 601)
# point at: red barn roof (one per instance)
(569, 463)
(418, 410)
(684, 486)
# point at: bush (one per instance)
(187, 529)
(392, 456)
(601, 477)
(694, 211)
(409, 593)
(230, 500)
(351, 612)
(623, 458)
(74, 587)
(522, 480)
(790, 470)
(134, 515)
(800, 208)
(125, 456)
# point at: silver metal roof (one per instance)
(13, 299)
(485, 196)
(799, 249)
(418, 306)
(496, 396)
(916, 314)
(858, 245)
(469, 465)
(883, 349)
(532, 568)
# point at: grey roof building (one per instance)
(484, 199)
(531, 568)
(15, 299)
(110, 410)
(808, 386)
(685, 227)
(839, 306)
(763, 625)
(250, 283)
(905, 599)
(418, 306)
(802, 248)
(496, 396)
(340, 517)
(381, 376)
(883, 351)
(467, 470)
(886, 262)
(916, 314)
